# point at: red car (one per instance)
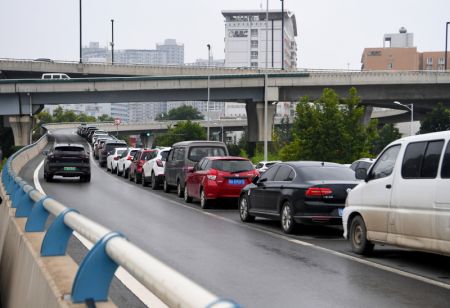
(218, 177)
(139, 159)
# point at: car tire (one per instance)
(166, 186)
(358, 237)
(287, 220)
(204, 203)
(180, 191)
(187, 199)
(137, 178)
(118, 172)
(126, 173)
(243, 210)
(155, 184)
(129, 176)
(144, 182)
(48, 178)
(113, 170)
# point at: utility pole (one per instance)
(112, 41)
(81, 51)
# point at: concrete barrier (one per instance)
(26, 278)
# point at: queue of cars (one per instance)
(400, 198)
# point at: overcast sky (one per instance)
(331, 33)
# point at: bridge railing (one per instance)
(110, 250)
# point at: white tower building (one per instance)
(245, 39)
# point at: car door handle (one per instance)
(388, 186)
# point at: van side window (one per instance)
(421, 159)
(385, 164)
(431, 159)
(283, 174)
(445, 170)
(179, 154)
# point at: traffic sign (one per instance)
(117, 121)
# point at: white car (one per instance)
(153, 169)
(124, 162)
(113, 158)
(264, 165)
(98, 134)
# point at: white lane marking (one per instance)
(326, 250)
(148, 298)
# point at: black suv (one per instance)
(67, 160)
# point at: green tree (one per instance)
(184, 112)
(436, 120)
(105, 118)
(82, 117)
(386, 135)
(183, 130)
(282, 134)
(330, 129)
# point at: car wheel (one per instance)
(129, 176)
(187, 199)
(204, 203)
(118, 172)
(144, 182)
(49, 178)
(126, 173)
(113, 170)
(243, 210)
(107, 168)
(137, 178)
(358, 237)
(155, 183)
(166, 186)
(287, 220)
(180, 191)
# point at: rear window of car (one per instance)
(110, 146)
(232, 165)
(164, 154)
(120, 152)
(69, 149)
(146, 155)
(197, 153)
(327, 174)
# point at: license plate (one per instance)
(340, 211)
(70, 168)
(236, 181)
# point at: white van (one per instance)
(404, 199)
(55, 76)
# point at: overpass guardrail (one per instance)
(110, 250)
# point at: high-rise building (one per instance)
(174, 51)
(245, 39)
(399, 53)
(95, 53)
(141, 56)
(143, 112)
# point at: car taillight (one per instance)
(212, 174)
(129, 157)
(140, 163)
(116, 158)
(159, 163)
(318, 191)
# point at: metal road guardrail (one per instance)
(110, 249)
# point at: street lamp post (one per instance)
(265, 82)
(207, 102)
(112, 41)
(81, 55)
(446, 41)
(410, 107)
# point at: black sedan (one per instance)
(67, 160)
(303, 192)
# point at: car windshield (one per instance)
(229, 165)
(164, 154)
(69, 149)
(197, 153)
(327, 174)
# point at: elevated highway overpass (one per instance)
(422, 88)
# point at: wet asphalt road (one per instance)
(253, 264)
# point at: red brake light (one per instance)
(212, 174)
(116, 158)
(159, 163)
(318, 191)
(129, 157)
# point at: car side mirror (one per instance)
(255, 180)
(361, 174)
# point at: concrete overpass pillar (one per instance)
(367, 115)
(21, 127)
(147, 141)
(255, 120)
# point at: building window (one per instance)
(441, 67)
(254, 32)
(254, 55)
(429, 61)
(254, 64)
(374, 53)
(441, 60)
(389, 66)
(254, 43)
